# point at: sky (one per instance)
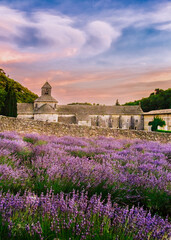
(93, 51)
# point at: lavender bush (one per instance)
(79, 188)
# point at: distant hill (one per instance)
(23, 95)
(159, 99)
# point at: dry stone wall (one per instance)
(59, 129)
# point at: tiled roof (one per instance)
(99, 110)
(46, 98)
(26, 108)
(81, 111)
(46, 108)
(162, 111)
(46, 85)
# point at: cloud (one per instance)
(57, 36)
(80, 57)
(100, 36)
(104, 87)
(42, 34)
(53, 34)
(59, 29)
(10, 20)
(164, 27)
(30, 37)
(157, 16)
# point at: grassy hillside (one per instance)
(23, 95)
(159, 99)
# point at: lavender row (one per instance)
(73, 216)
(132, 171)
(141, 163)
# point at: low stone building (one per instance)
(165, 114)
(45, 108)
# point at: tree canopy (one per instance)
(12, 92)
(78, 103)
(10, 102)
(23, 95)
(159, 99)
(157, 121)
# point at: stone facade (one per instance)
(45, 108)
(60, 129)
(165, 114)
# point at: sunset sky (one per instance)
(89, 50)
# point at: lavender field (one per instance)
(78, 188)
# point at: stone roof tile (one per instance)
(155, 112)
(99, 110)
(46, 98)
(26, 108)
(45, 109)
(46, 85)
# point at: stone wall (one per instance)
(165, 117)
(118, 121)
(46, 117)
(59, 129)
(67, 119)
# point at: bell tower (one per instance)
(46, 90)
(45, 99)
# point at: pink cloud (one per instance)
(9, 55)
(62, 39)
(52, 36)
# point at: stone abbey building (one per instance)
(46, 108)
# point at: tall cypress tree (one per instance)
(14, 104)
(6, 102)
(10, 103)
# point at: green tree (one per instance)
(10, 102)
(2, 99)
(13, 104)
(2, 71)
(159, 99)
(23, 95)
(157, 121)
(78, 103)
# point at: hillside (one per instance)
(159, 99)
(23, 95)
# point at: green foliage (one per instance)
(40, 142)
(158, 202)
(155, 200)
(30, 140)
(157, 121)
(38, 181)
(12, 92)
(82, 154)
(23, 95)
(77, 103)
(10, 102)
(159, 99)
(2, 98)
(2, 71)
(25, 156)
(165, 131)
(34, 141)
(20, 232)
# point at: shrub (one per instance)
(157, 121)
